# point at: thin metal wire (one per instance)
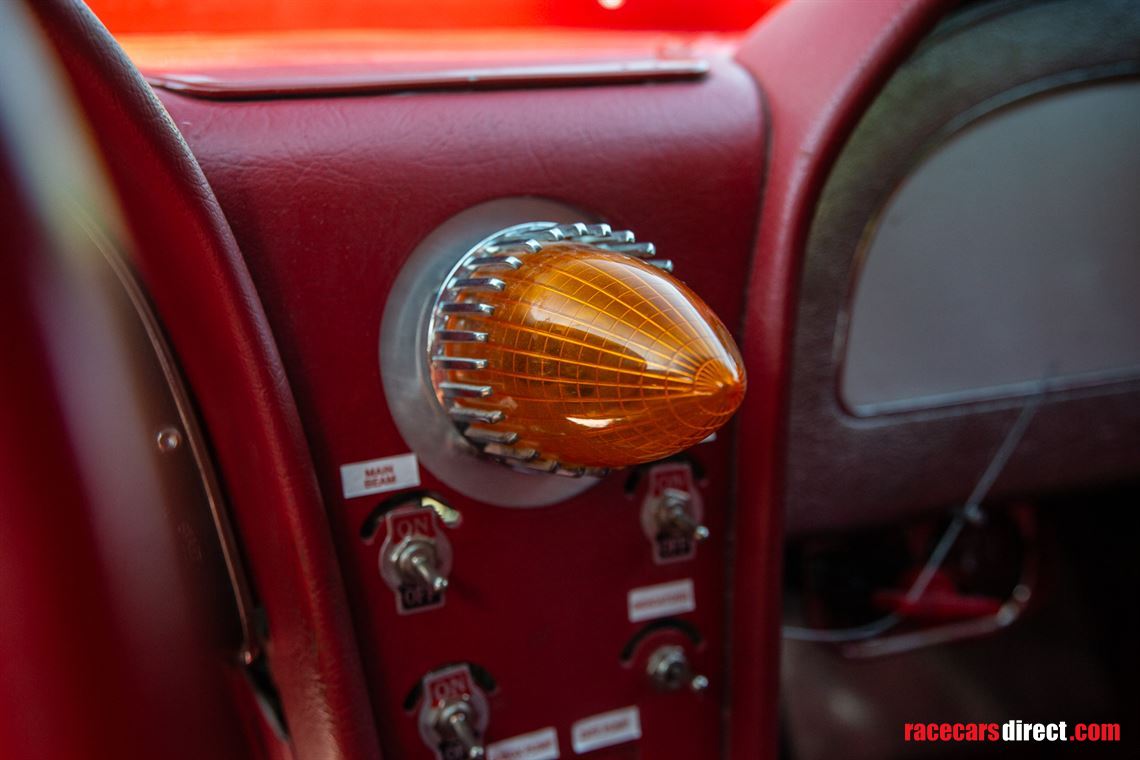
(971, 512)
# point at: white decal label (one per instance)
(379, 475)
(651, 602)
(537, 745)
(606, 730)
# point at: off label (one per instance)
(670, 545)
(408, 522)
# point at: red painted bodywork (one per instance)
(277, 325)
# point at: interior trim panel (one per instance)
(328, 198)
(845, 471)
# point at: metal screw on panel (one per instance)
(168, 439)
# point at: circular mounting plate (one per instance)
(406, 376)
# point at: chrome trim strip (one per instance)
(466, 307)
(641, 250)
(451, 390)
(251, 645)
(494, 260)
(526, 246)
(458, 362)
(461, 336)
(484, 435)
(467, 414)
(509, 452)
(478, 283)
(497, 78)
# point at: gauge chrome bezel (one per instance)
(406, 373)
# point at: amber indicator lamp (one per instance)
(570, 349)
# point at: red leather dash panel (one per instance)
(327, 197)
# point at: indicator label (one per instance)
(453, 684)
(606, 730)
(537, 745)
(412, 598)
(379, 475)
(649, 602)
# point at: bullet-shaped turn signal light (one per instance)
(567, 348)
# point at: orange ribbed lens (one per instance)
(586, 357)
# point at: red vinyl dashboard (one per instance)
(328, 198)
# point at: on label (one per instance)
(451, 685)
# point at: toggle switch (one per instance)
(416, 561)
(672, 512)
(455, 723)
(454, 714)
(415, 558)
(675, 514)
(669, 670)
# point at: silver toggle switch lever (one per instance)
(669, 670)
(455, 721)
(416, 561)
(674, 513)
(415, 556)
(454, 716)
